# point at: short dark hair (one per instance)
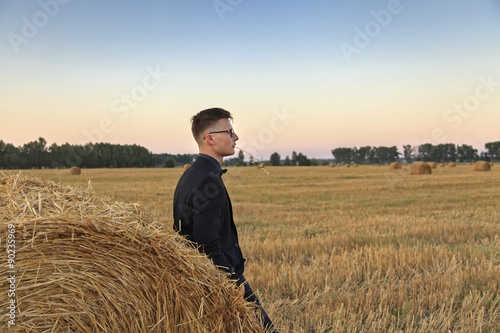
(206, 118)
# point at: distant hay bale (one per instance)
(354, 165)
(347, 165)
(482, 166)
(186, 166)
(433, 165)
(441, 165)
(395, 165)
(331, 165)
(89, 264)
(420, 168)
(452, 164)
(75, 171)
(260, 166)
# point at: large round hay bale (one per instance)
(347, 165)
(86, 263)
(395, 165)
(331, 165)
(420, 168)
(482, 166)
(433, 165)
(75, 171)
(452, 164)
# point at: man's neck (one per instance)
(211, 154)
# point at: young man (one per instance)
(202, 208)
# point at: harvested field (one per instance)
(352, 250)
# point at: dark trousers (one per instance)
(251, 297)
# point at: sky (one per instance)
(297, 75)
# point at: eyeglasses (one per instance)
(229, 131)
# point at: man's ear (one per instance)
(209, 140)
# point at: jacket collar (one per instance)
(214, 163)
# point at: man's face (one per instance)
(224, 143)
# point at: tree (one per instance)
(149, 159)
(425, 152)
(445, 153)
(294, 158)
(493, 150)
(241, 158)
(314, 162)
(34, 154)
(361, 155)
(90, 159)
(12, 156)
(343, 155)
(303, 160)
(387, 154)
(484, 156)
(169, 162)
(9, 156)
(287, 161)
(408, 153)
(275, 159)
(3, 164)
(230, 161)
(466, 153)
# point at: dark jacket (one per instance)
(203, 214)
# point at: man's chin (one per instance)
(229, 152)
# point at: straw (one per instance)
(87, 263)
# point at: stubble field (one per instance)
(364, 249)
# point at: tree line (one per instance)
(427, 152)
(37, 155)
(275, 159)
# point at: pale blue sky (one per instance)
(65, 80)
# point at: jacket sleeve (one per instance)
(208, 203)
